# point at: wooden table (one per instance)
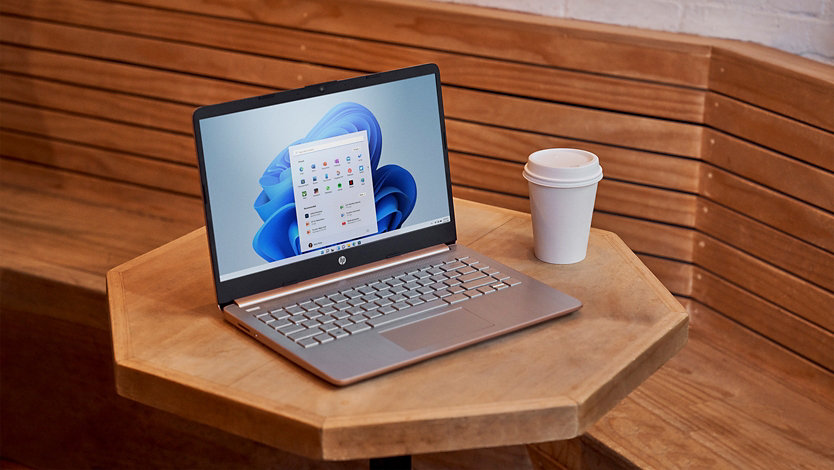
(174, 351)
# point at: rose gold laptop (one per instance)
(332, 232)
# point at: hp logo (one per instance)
(342, 260)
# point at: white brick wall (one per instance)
(803, 27)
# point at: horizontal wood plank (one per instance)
(764, 317)
(625, 164)
(781, 82)
(511, 77)
(792, 254)
(125, 78)
(806, 182)
(162, 145)
(99, 104)
(569, 121)
(83, 225)
(703, 406)
(612, 196)
(484, 32)
(800, 297)
(675, 275)
(108, 164)
(644, 236)
(784, 213)
(799, 140)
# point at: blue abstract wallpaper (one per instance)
(395, 192)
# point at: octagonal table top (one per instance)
(174, 351)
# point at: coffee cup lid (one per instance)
(562, 168)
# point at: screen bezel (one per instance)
(444, 233)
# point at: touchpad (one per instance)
(458, 323)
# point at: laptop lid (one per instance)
(308, 182)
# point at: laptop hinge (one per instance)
(273, 294)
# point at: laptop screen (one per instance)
(293, 178)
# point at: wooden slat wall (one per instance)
(724, 190)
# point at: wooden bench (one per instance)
(719, 173)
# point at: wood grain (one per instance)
(701, 408)
(774, 80)
(784, 213)
(799, 140)
(566, 86)
(768, 168)
(489, 33)
(309, 417)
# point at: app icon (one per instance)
(336, 161)
(359, 242)
(306, 216)
(341, 207)
(327, 176)
(315, 190)
(348, 159)
(340, 186)
(303, 193)
(315, 178)
(343, 223)
(310, 245)
(350, 182)
(308, 232)
(362, 180)
(308, 224)
(361, 167)
(350, 170)
(324, 164)
(313, 166)
(303, 181)
(338, 172)
(327, 188)
(301, 168)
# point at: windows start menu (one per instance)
(334, 193)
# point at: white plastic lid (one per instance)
(562, 168)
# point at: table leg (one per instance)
(402, 462)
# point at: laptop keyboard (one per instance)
(385, 302)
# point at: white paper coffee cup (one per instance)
(563, 187)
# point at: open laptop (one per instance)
(332, 231)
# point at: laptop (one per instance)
(332, 231)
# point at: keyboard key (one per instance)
(328, 327)
(354, 311)
(366, 290)
(396, 316)
(442, 293)
(325, 319)
(356, 301)
(323, 338)
(434, 271)
(310, 323)
(400, 305)
(383, 302)
(323, 301)
(385, 293)
(301, 334)
(451, 282)
(298, 318)
(279, 314)
(394, 282)
(452, 266)
(358, 328)
(477, 283)
(398, 289)
(352, 294)
(512, 281)
(486, 290)
(338, 298)
(343, 323)
(473, 293)
(289, 329)
(339, 333)
(411, 285)
(313, 314)
(415, 301)
(456, 289)
(283, 323)
(344, 314)
(327, 310)
(471, 276)
(294, 310)
(370, 297)
(422, 274)
(425, 290)
(307, 305)
(428, 297)
(342, 306)
(453, 299)
(386, 310)
(307, 343)
(372, 313)
(412, 293)
(466, 270)
(499, 286)
(397, 298)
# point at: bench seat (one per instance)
(718, 167)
